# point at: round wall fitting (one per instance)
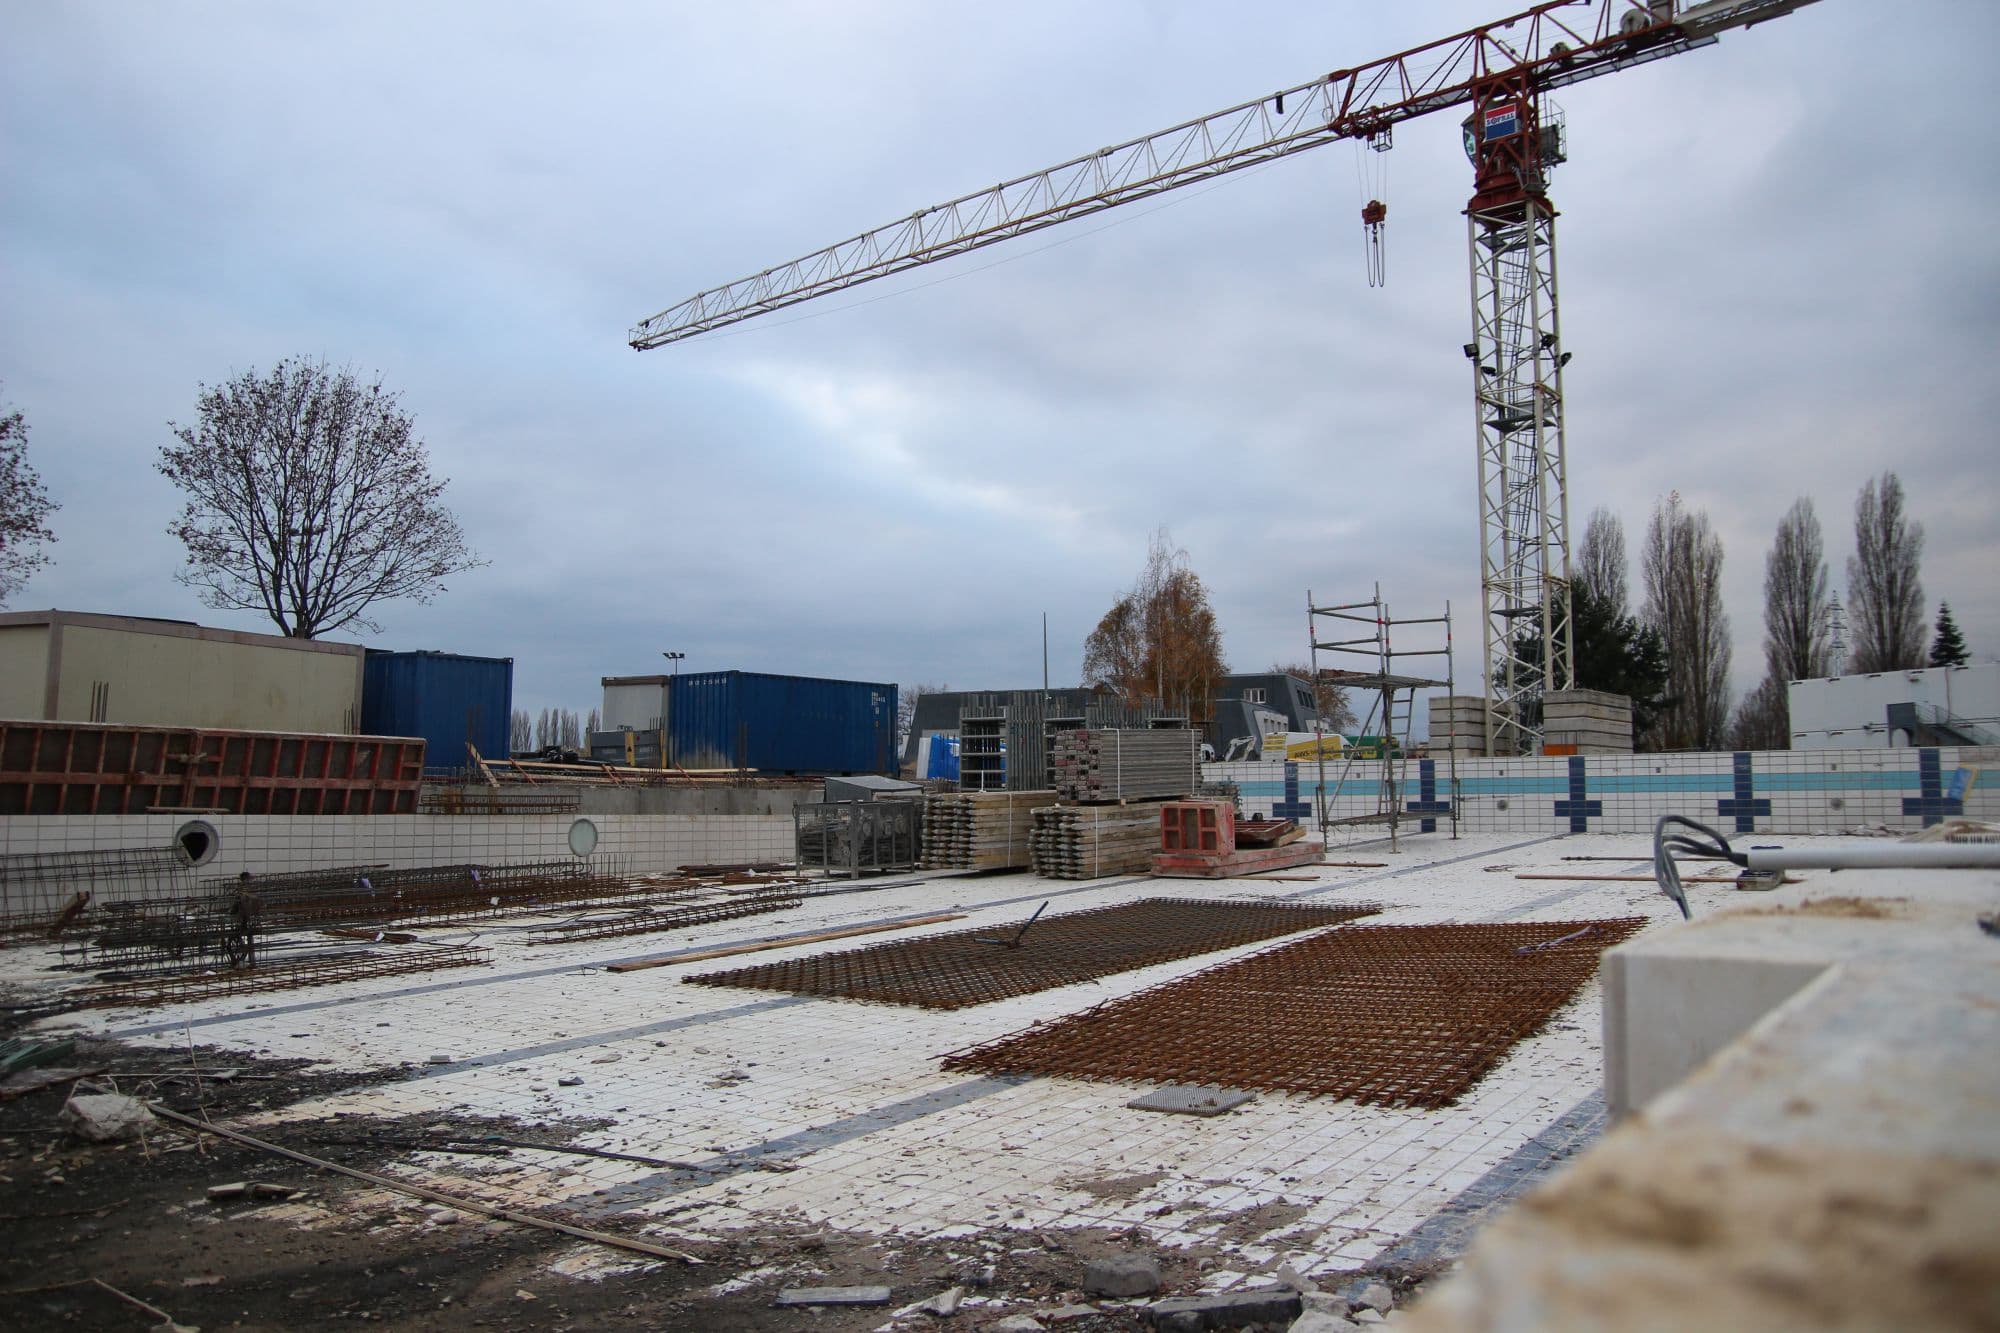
(197, 842)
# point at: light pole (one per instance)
(667, 755)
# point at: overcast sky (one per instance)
(1776, 255)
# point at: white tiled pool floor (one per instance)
(837, 1114)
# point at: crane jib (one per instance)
(1538, 45)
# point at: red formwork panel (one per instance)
(1198, 826)
(86, 768)
(1229, 865)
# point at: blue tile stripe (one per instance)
(1427, 802)
(1743, 805)
(1933, 804)
(1292, 807)
(1627, 784)
(1575, 807)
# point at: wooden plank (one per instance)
(817, 937)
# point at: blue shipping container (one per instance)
(446, 698)
(782, 724)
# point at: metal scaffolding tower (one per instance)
(1394, 697)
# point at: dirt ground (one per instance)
(137, 1217)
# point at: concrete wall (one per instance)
(634, 844)
(167, 673)
(172, 680)
(1779, 791)
(24, 670)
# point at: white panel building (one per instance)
(1886, 709)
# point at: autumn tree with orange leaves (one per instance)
(1159, 643)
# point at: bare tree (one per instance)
(1599, 569)
(593, 723)
(1682, 568)
(1762, 720)
(569, 730)
(1160, 643)
(1796, 599)
(1885, 597)
(521, 730)
(906, 708)
(1796, 603)
(309, 498)
(24, 509)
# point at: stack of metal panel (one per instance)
(853, 836)
(1090, 841)
(979, 830)
(1007, 738)
(982, 749)
(1123, 764)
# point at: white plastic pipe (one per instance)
(1878, 856)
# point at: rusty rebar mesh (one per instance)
(291, 974)
(38, 890)
(966, 967)
(647, 919)
(432, 895)
(1388, 1015)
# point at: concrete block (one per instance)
(1845, 1136)
(833, 1296)
(1122, 1275)
(108, 1117)
(1231, 1309)
(1319, 1321)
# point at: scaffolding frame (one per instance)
(1394, 699)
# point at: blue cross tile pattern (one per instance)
(1292, 807)
(1427, 802)
(1743, 803)
(1934, 804)
(1578, 810)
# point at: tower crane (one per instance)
(1501, 71)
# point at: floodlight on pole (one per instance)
(667, 749)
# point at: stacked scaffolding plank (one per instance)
(1091, 841)
(1121, 764)
(979, 830)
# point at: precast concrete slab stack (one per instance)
(1586, 722)
(1458, 725)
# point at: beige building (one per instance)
(70, 666)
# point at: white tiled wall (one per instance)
(1810, 791)
(273, 843)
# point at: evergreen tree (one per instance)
(1948, 648)
(1615, 652)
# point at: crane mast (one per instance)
(1517, 359)
(1501, 70)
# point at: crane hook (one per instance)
(1374, 216)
